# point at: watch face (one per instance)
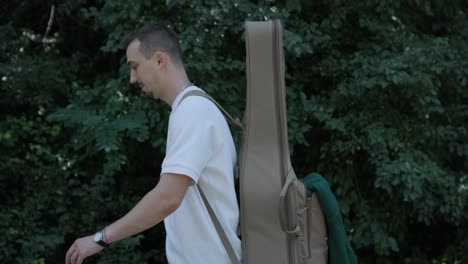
(97, 236)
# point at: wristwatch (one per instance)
(98, 239)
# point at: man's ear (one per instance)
(161, 58)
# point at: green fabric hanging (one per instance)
(339, 249)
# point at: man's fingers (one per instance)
(80, 259)
(74, 257)
(81, 249)
(69, 254)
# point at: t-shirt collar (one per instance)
(176, 102)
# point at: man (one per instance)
(200, 150)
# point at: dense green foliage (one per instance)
(377, 102)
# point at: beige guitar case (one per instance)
(279, 223)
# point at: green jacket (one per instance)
(339, 249)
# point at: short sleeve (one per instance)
(190, 141)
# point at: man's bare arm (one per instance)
(160, 202)
(156, 205)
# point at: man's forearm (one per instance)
(149, 211)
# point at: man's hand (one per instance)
(160, 202)
(81, 249)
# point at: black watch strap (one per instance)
(98, 238)
(102, 243)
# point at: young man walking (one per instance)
(200, 150)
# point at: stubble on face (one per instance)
(141, 72)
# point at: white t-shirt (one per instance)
(200, 145)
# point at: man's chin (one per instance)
(150, 94)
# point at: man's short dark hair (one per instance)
(155, 37)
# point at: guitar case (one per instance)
(279, 222)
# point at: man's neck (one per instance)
(180, 82)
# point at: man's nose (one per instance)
(133, 78)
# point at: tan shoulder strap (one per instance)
(219, 229)
(233, 122)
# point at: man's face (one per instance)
(143, 71)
